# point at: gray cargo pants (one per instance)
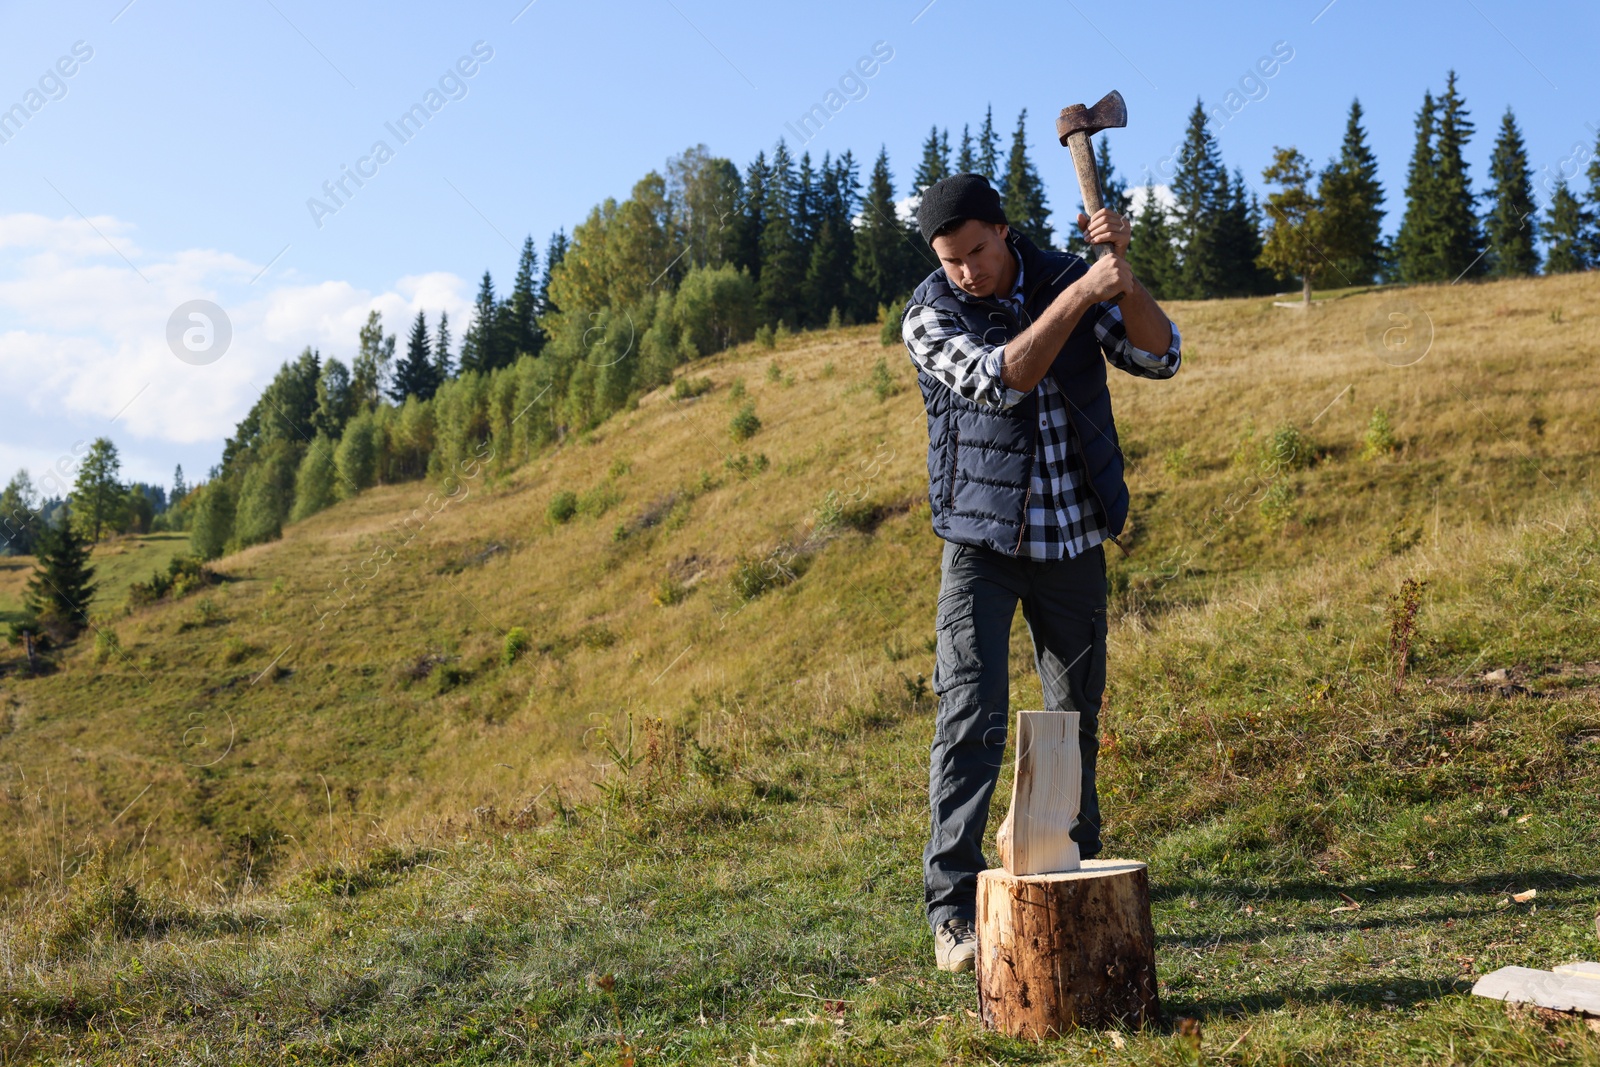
(1064, 603)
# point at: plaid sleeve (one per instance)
(945, 350)
(1113, 337)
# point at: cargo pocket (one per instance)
(956, 660)
(1094, 686)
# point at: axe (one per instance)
(1076, 126)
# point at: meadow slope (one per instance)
(258, 827)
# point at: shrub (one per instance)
(754, 575)
(764, 337)
(1277, 505)
(889, 317)
(184, 573)
(562, 506)
(1286, 450)
(745, 423)
(1379, 439)
(881, 381)
(736, 390)
(688, 388)
(774, 373)
(517, 642)
(106, 644)
(670, 591)
(782, 333)
(835, 321)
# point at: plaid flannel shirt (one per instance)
(1064, 518)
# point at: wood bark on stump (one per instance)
(1066, 950)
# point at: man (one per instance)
(1025, 483)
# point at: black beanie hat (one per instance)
(956, 199)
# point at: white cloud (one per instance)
(85, 337)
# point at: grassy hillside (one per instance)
(260, 825)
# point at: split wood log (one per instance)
(1045, 794)
(1065, 950)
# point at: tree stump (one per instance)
(1065, 950)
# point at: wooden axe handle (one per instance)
(1082, 149)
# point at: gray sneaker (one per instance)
(955, 945)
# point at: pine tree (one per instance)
(1352, 206)
(989, 149)
(1152, 256)
(935, 165)
(444, 367)
(1199, 190)
(1510, 226)
(881, 265)
(1022, 192)
(97, 493)
(1416, 246)
(61, 588)
(1291, 248)
(180, 488)
(1461, 248)
(1567, 230)
(782, 268)
(521, 325)
(966, 160)
(415, 374)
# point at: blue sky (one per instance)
(175, 162)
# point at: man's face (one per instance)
(975, 255)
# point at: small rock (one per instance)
(1498, 676)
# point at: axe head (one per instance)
(1109, 113)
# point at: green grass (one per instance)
(719, 800)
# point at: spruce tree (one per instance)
(554, 252)
(1022, 191)
(828, 274)
(180, 488)
(1199, 190)
(752, 218)
(484, 346)
(414, 375)
(97, 493)
(521, 325)
(935, 165)
(782, 268)
(1461, 248)
(1416, 246)
(881, 266)
(444, 367)
(966, 159)
(989, 149)
(61, 589)
(1567, 233)
(1352, 206)
(1152, 256)
(1510, 226)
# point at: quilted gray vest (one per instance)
(980, 459)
